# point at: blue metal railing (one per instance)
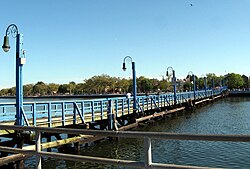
(81, 111)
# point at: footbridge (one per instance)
(101, 113)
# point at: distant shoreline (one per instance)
(239, 93)
(68, 96)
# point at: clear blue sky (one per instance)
(74, 40)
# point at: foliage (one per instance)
(105, 84)
(235, 81)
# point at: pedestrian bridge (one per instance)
(102, 110)
(44, 119)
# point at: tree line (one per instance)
(105, 84)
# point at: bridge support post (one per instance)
(38, 149)
(110, 115)
(20, 142)
(48, 135)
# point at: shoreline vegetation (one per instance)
(107, 85)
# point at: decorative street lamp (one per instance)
(173, 82)
(134, 80)
(190, 73)
(20, 61)
(212, 86)
(205, 83)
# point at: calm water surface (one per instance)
(227, 116)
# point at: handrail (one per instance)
(50, 109)
(147, 136)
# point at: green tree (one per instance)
(28, 89)
(187, 86)
(4, 92)
(123, 85)
(245, 79)
(79, 89)
(235, 81)
(52, 88)
(154, 85)
(12, 91)
(71, 87)
(143, 84)
(40, 88)
(63, 89)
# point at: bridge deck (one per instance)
(63, 113)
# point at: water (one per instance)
(227, 116)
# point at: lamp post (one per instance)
(20, 61)
(205, 83)
(134, 80)
(190, 73)
(173, 82)
(212, 86)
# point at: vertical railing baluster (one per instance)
(34, 113)
(38, 150)
(92, 111)
(116, 107)
(83, 110)
(148, 152)
(161, 100)
(128, 102)
(147, 102)
(101, 104)
(63, 114)
(151, 103)
(49, 115)
(142, 100)
(164, 100)
(122, 107)
(158, 100)
(74, 113)
(110, 115)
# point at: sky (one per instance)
(75, 40)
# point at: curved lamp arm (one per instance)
(13, 30)
(167, 74)
(124, 62)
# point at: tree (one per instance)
(235, 81)
(28, 89)
(12, 91)
(123, 85)
(71, 87)
(40, 88)
(52, 88)
(187, 86)
(4, 92)
(245, 79)
(165, 85)
(200, 83)
(79, 88)
(143, 84)
(63, 89)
